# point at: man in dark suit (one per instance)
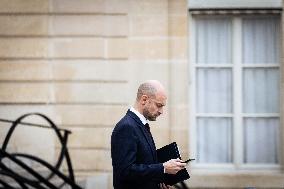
(133, 150)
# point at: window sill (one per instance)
(236, 180)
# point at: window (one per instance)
(236, 74)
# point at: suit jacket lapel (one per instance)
(145, 133)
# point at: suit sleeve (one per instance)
(124, 150)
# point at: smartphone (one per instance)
(187, 161)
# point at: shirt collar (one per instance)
(141, 117)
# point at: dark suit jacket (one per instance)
(134, 157)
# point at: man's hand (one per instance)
(163, 186)
(173, 166)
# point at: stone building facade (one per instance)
(80, 63)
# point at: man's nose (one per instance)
(161, 111)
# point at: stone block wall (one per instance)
(80, 63)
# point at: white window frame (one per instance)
(237, 115)
(201, 4)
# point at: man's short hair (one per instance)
(146, 89)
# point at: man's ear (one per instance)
(144, 99)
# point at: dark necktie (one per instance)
(148, 128)
(152, 140)
(149, 132)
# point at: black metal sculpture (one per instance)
(11, 179)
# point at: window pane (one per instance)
(261, 44)
(214, 90)
(213, 41)
(261, 140)
(261, 90)
(214, 140)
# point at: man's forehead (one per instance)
(161, 99)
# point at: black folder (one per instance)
(166, 153)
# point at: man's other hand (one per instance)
(163, 186)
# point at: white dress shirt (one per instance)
(141, 117)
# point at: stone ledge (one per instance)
(238, 180)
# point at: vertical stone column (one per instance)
(179, 74)
(281, 142)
